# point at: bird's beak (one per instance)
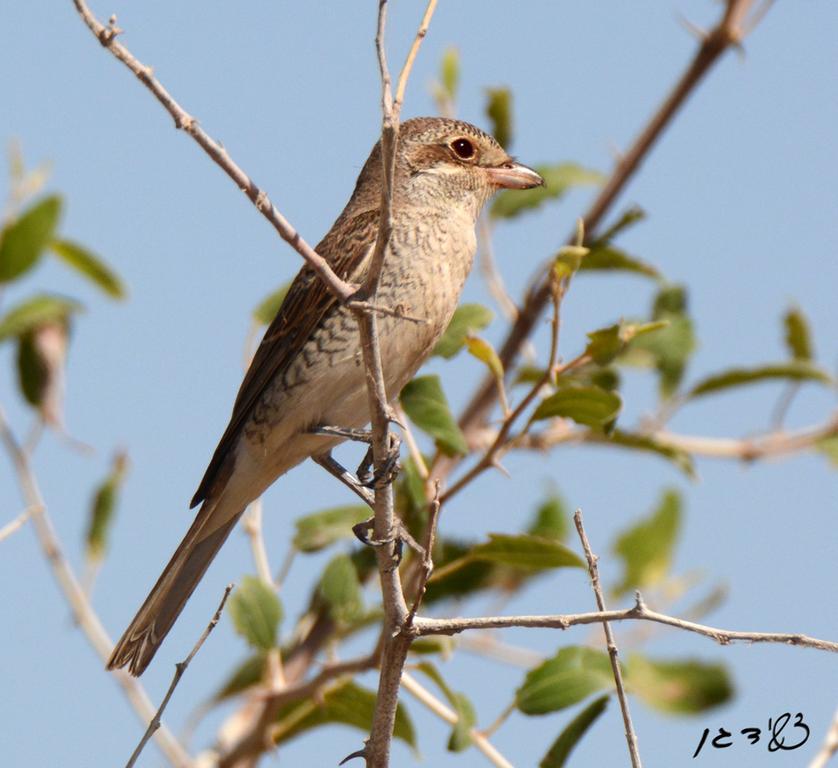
(512, 175)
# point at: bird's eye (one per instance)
(463, 148)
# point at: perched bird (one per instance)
(308, 371)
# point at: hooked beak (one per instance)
(512, 175)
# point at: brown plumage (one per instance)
(308, 369)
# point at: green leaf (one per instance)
(268, 308)
(485, 352)
(558, 179)
(798, 337)
(605, 344)
(573, 732)
(468, 319)
(466, 716)
(604, 258)
(523, 550)
(796, 370)
(322, 529)
(90, 266)
(33, 372)
(828, 446)
(345, 703)
(572, 675)
(499, 112)
(450, 72)
(591, 406)
(568, 260)
(341, 589)
(628, 218)
(23, 241)
(256, 613)
(646, 548)
(102, 508)
(551, 519)
(455, 575)
(34, 312)
(425, 405)
(433, 645)
(678, 687)
(248, 673)
(679, 457)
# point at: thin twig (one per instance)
(424, 573)
(83, 613)
(411, 55)
(19, 521)
(180, 668)
(424, 696)
(253, 529)
(107, 36)
(422, 626)
(829, 748)
(631, 736)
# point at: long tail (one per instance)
(167, 598)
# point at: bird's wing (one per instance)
(305, 305)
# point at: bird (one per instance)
(308, 370)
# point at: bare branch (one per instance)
(83, 613)
(424, 626)
(829, 747)
(631, 736)
(478, 738)
(411, 55)
(180, 668)
(107, 36)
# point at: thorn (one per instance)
(697, 32)
(359, 753)
(502, 469)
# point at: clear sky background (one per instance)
(742, 208)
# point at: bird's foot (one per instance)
(384, 475)
(400, 537)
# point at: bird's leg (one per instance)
(334, 468)
(390, 467)
(402, 536)
(356, 435)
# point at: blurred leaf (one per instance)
(321, 529)
(795, 370)
(450, 72)
(573, 732)
(32, 371)
(828, 446)
(605, 344)
(679, 457)
(247, 674)
(678, 687)
(558, 179)
(609, 258)
(345, 703)
(102, 508)
(90, 266)
(466, 716)
(485, 352)
(412, 486)
(669, 348)
(572, 675)
(30, 314)
(523, 550)
(628, 218)
(646, 548)
(798, 337)
(468, 319)
(499, 112)
(568, 260)
(591, 406)
(432, 645)
(256, 613)
(341, 589)
(268, 308)
(551, 519)
(424, 402)
(465, 578)
(23, 241)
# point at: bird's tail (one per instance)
(167, 598)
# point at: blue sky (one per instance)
(742, 208)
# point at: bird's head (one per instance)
(444, 162)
